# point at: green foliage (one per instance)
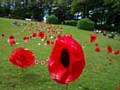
(62, 11)
(70, 22)
(4, 11)
(97, 10)
(52, 19)
(86, 24)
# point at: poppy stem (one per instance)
(22, 71)
(66, 87)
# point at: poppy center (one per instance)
(22, 57)
(64, 58)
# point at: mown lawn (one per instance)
(99, 72)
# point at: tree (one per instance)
(62, 9)
(85, 6)
(113, 14)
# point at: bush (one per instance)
(70, 22)
(86, 24)
(52, 19)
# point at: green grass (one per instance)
(99, 72)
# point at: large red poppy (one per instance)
(92, 37)
(67, 60)
(12, 40)
(22, 58)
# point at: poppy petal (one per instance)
(109, 49)
(12, 40)
(66, 61)
(92, 37)
(97, 49)
(22, 57)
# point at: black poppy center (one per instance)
(64, 58)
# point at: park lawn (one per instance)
(99, 72)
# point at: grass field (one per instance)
(99, 72)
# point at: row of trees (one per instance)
(105, 13)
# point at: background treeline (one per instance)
(104, 13)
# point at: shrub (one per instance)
(86, 24)
(71, 22)
(52, 19)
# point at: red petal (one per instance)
(109, 49)
(48, 41)
(41, 35)
(12, 40)
(92, 37)
(97, 49)
(34, 34)
(22, 58)
(96, 44)
(67, 61)
(116, 52)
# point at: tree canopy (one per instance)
(105, 13)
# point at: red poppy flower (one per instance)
(48, 41)
(97, 49)
(34, 34)
(12, 40)
(92, 37)
(67, 60)
(26, 38)
(116, 52)
(96, 44)
(109, 49)
(22, 58)
(41, 35)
